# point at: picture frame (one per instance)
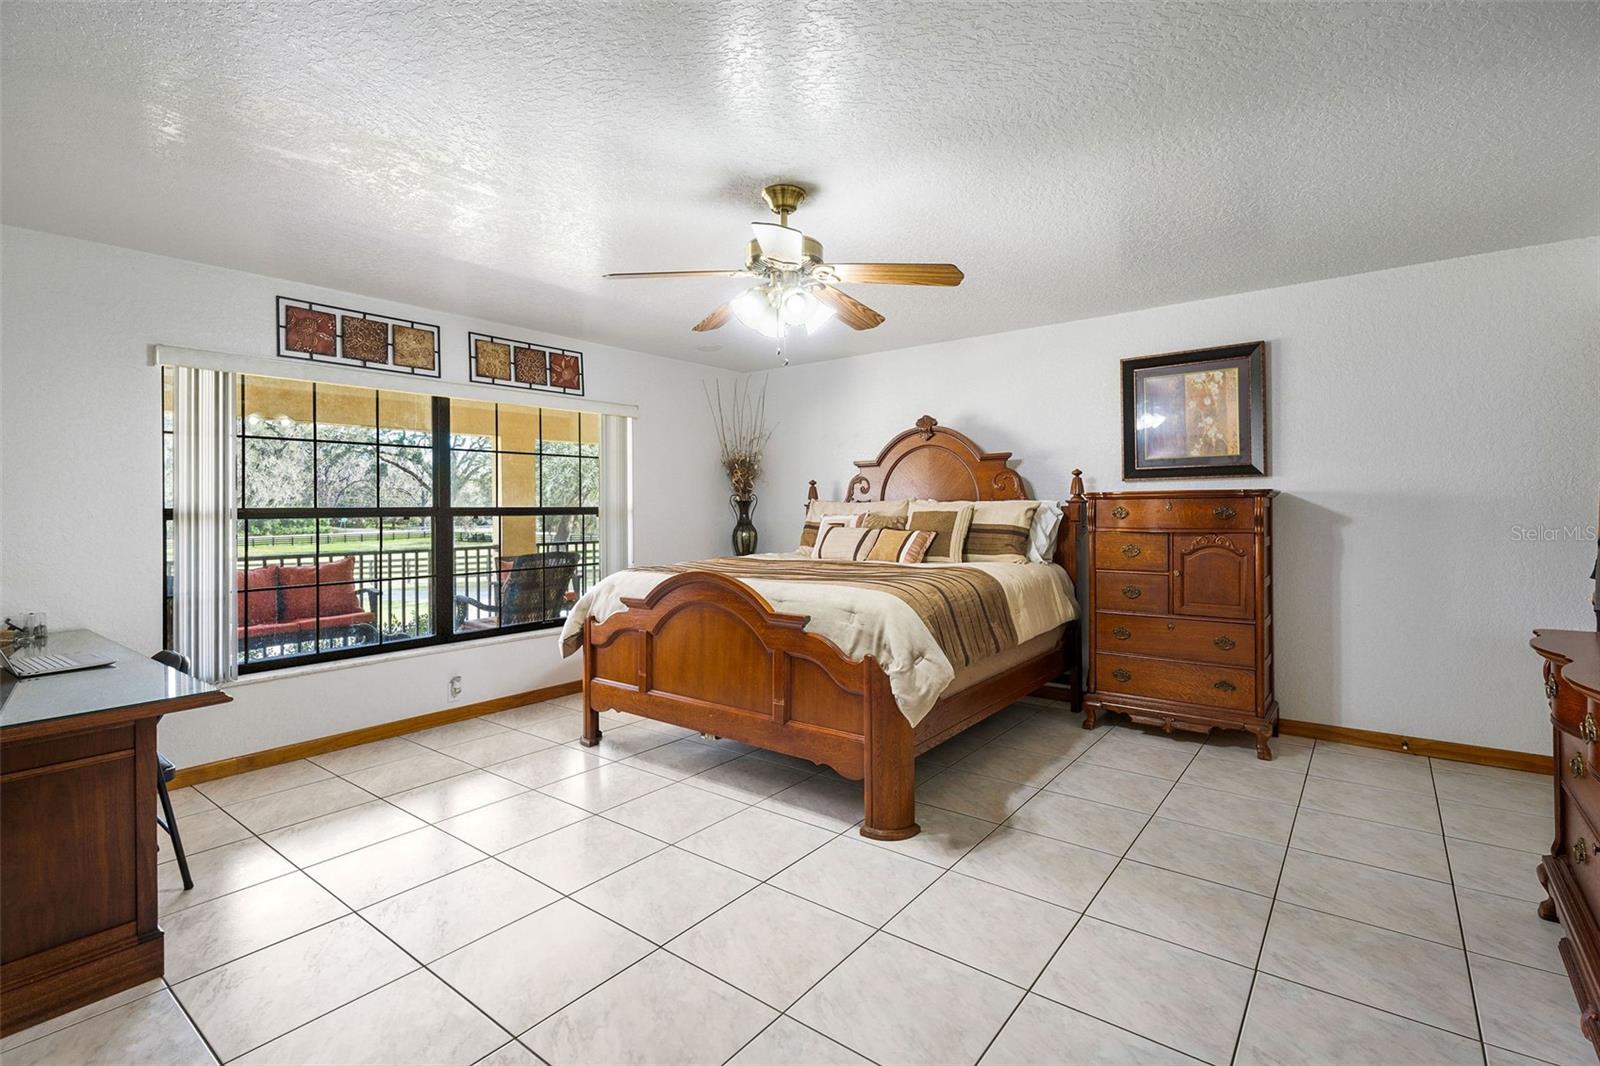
(1196, 413)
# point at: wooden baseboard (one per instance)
(1439, 749)
(194, 775)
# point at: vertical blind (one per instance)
(203, 519)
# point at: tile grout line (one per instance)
(1466, 960)
(1261, 949)
(1029, 991)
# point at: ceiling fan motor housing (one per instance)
(783, 198)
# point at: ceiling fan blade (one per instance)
(851, 312)
(897, 273)
(682, 274)
(715, 319)
(780, 244)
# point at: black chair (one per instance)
(167, 772)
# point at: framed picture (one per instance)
(1201, 413)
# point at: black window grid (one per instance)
(439, 567)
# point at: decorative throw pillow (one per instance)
(300, 593)
(827, 522)
(838, 541)
(873, 520)
(259, 608)
(816, 510)
(999, 531)
(1042, 533)
(900, 546)
(947, 521)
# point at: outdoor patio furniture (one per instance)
(532, 588)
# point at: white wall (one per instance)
(1417, 419)
(80, 494)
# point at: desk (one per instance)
(78, 828)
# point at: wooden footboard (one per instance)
(708, 653)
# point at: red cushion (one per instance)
(263, 606)
(300, 601)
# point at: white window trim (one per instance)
(306, 370)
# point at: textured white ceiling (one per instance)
(495, 159)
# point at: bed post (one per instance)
(591, 717)
(1075, 657)
(888, 783)
(811, 494)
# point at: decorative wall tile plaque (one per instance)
(521, 364)
(491, 359)
(366, 339)
(531, 369)
(310, 331)
(415, 348)
(322, 333)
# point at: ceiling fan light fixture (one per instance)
(755, 309)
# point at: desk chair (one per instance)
(166, 772)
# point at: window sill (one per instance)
(368, 661)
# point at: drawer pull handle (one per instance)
(1133, 592)
(1580, 851)
(1586, 729)
(1121, 633)
(1551, 688)
(1224, 512)
(1226, 643)
(1119, 511)
(1131, 550)
(1121, 675)
(1224, 686)
(1575, 764)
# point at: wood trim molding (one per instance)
(1533, 762)
(194, 775)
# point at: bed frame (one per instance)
(708, 653)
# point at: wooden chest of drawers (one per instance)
(1571, 872)
(1179, 598)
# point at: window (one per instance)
(371, 518)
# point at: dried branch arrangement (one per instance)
(742, 432)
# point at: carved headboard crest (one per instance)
(934, 462)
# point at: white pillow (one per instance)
(1042, 534)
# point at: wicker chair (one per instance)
(532, 588)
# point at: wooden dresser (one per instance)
(1179, 605)
(1571, 872)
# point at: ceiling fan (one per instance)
(795, 288)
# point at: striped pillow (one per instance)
(816, 510)
(838, 541)
(900, 546)
(948, 521)
(999, 531)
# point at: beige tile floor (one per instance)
(490, 892)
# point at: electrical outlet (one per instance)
(455, 688)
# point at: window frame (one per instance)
(441, 515)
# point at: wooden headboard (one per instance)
(934, 462)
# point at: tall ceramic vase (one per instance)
(744, 530)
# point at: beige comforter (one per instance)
(865, 620)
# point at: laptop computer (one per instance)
(42, 665)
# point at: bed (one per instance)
(700, 647)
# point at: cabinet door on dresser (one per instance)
(1214, 575)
